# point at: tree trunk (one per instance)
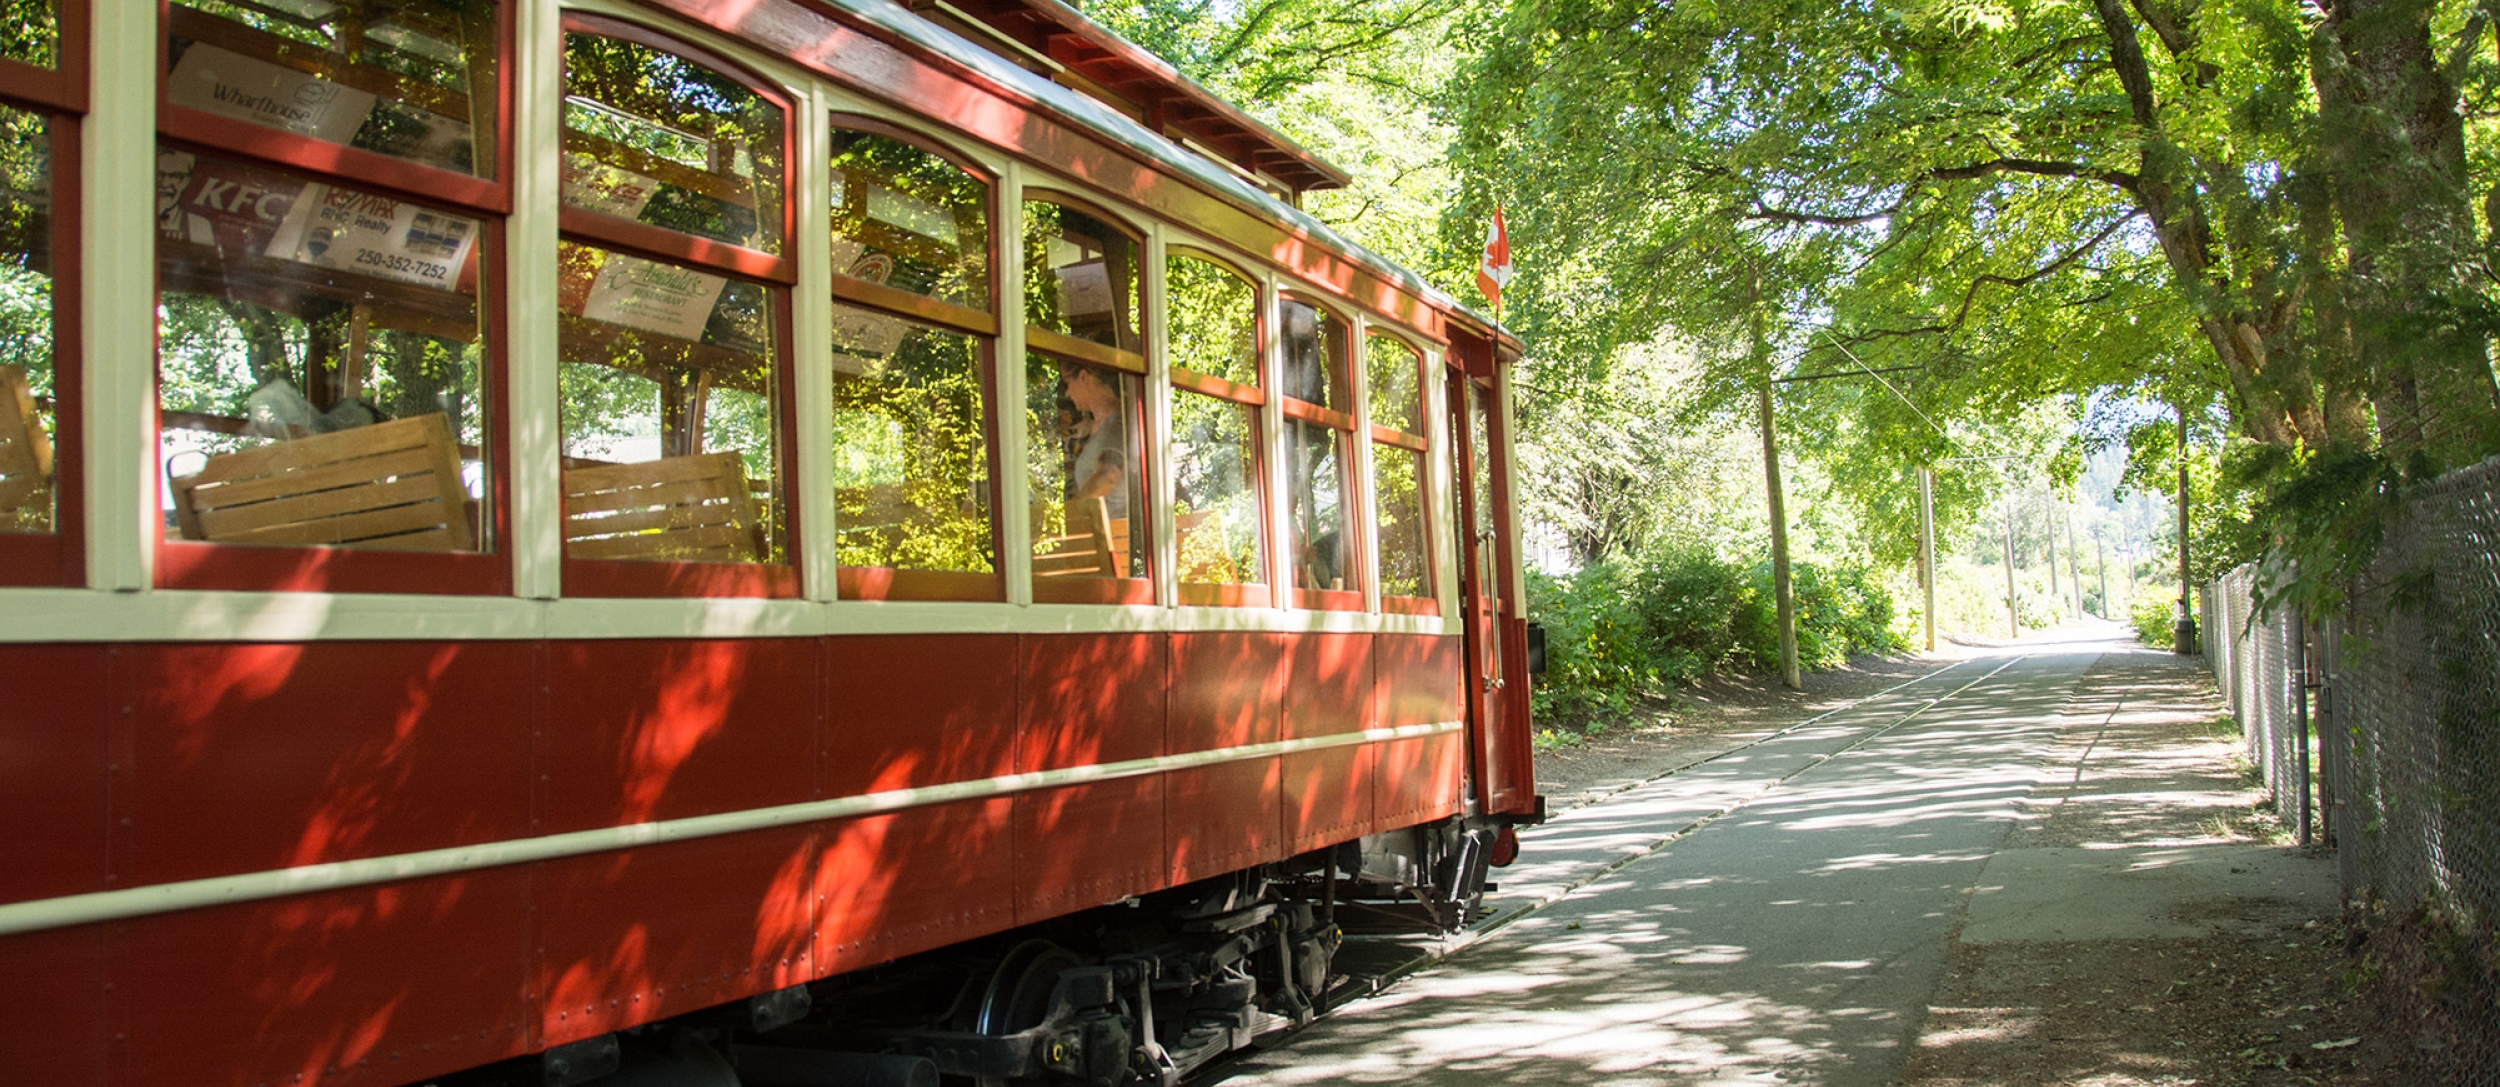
(2391, 134)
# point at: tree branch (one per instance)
(2039, 168)
(2126, 55)
(1970, 294)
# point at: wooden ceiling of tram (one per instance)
(1153, 91)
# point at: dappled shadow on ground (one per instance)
(2263, 999)
(1793, 940)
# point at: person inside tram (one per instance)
(1103, 465)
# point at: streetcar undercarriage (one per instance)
(1145, 991)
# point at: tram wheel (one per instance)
(1019, 991)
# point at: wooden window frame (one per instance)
(1394, 604)
(1357, 536)
(774, 272)
(1055, 342)
(202, 564)
(61, 88)
(964, 586)
(921, 307)
(649, 579)
(58, 94)
(616, 232)
(1108, 590)
(883, 583)
(1230, 594)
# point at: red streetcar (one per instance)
(788, 541)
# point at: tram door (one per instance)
(1495, 772)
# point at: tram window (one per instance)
(339, 326)
(1317, 347)
(1083, 433)
(1395, 371)
(659, 138)
(1080, 276)
(29, 417)
(1398, 490)
(669, 391)
(1213, 320)
(1219, 517)
(908, 219)
(1217, 525)
(1488, 566)
(412, 79)
(1315, 485)
(31, 33)
(1319, 455)
(911, 461)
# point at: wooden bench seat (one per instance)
(390, 485)
(684, 509)
(1095, 545)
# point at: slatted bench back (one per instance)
(688, 509)
(1095, 545)
(390, 485)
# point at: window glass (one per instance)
(28, 420)
(1214, 320)
(1398, 490)
(319, 362)
(1315, 483)
(413, 79)
(1080, 276)
(668, 393)
(911, 456)
(1082, 428)
(658, 138)
(1480, 460)
(1488, 576)
(32, 32)
(1392, 371)
(1316, 351)
(1216, 514)
(908, 219)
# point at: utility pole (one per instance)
(2183, 622)
(1927, 549)
(2074, 560)
(2013, 617)
(2057, 596)
(2100, 562)
(1780, 585)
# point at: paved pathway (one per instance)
(1779, 914)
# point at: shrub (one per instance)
(1594, 662)
(1621, 629)
(2154, 615)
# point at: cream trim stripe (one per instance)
(51, 913)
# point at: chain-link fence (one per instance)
(2403, 689)
(2257, 663)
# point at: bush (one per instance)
(1595, 664)
(1622, 629)
(2154, 615)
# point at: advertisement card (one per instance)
(230, 84)
(651, 296)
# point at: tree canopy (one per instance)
(2272, 216)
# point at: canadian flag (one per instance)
(1494, 273)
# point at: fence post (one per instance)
(2300, 714)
